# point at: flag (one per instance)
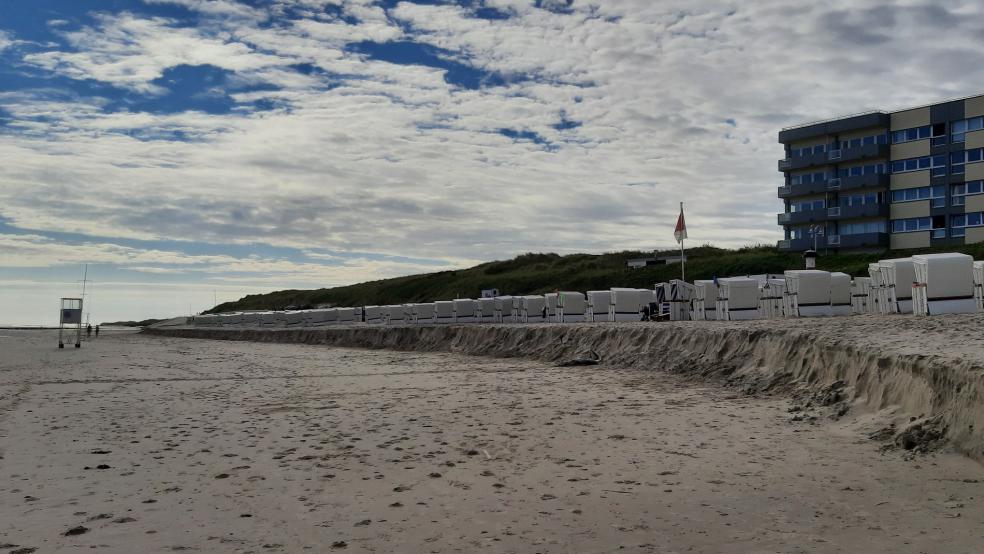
(680, 232)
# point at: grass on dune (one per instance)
(540, 273)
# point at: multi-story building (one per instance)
(905, 179)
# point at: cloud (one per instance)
(340, 150)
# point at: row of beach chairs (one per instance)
(927, 284)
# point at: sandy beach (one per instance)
(141, 443)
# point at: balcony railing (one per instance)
(785, 218)
(834, 184)
(834, 155)
(785, 164)
(833, 240)
(834, 212)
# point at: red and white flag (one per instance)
(680, 232)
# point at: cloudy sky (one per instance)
(190, 150)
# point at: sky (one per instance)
(193, 151)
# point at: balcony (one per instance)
(800, 162)
(808, 216)
(838, 213)
(863, 181)
(835, 126)
(803, 190)
(865, 240)
(862, 152)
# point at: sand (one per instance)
(154, 444)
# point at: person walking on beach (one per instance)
(97, 331)
(88, 330)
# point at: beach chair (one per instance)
(807, 293)
(465, 310)
(444, 311)
(944, 284)
(739, 298)
(840, 294)
(571, 307)
(534, 309)
(485, 312)
(599, 302)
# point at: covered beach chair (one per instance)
(773, 298)
(738, 299)
(679, 295)
(626, 304)
(840, 293)
(294, 319)
(444, 311)
(898, 274)
(878, 293)
(486, 310)
(423, 313)
(550, 301)
(705, 299)
(373, 315)
(396, 314)
(861, 301)
(807, 293)
(346, 315)
(571, 307)
(944, 284)
(599, 302)
(979, 284)
(504, 309)
(465, 310)
(534, 309)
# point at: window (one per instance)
(912, 224)
(958, 193)
(958, 159)
(807, 150)
(937, 164)
(862, 228)
(807, 178)
(870, 169)
(959, 129)
(863, 141)
(859, 199)
(960, 222)
(937, 194)
(908, 135)
(806, 205)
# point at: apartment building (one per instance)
(897, 180)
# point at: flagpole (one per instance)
(683, 259)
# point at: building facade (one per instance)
(877, 180)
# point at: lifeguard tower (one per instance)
(70, 321)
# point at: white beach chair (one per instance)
(571, 307)
(372, 315)
(396, 314)
(534, 309)
(485, 312)
(626, 304)
(738, 299)
(599, 302)
(840, 293)
(807, 293)
(423, 313)
(705, 300)
(504, 309)
(944, 284)
(465, 310)
(550, 302)
(773, 298)
(679, 295)
(979, 285)
(898, 275)
(861, 301)
(444, 311)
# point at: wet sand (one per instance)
(151, 444)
